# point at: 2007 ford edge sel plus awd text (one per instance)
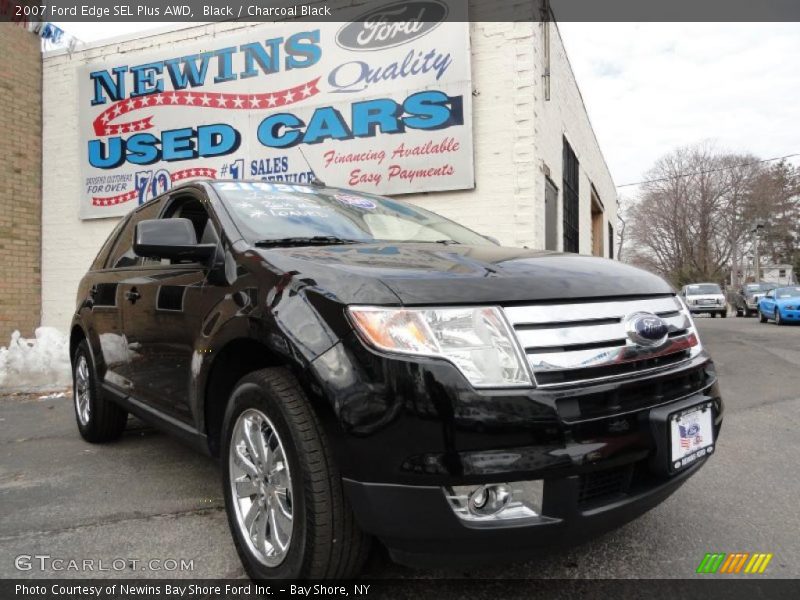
(366, 369)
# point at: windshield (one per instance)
(787, 292)
(703, 288)
(269, 211)
(758, 287)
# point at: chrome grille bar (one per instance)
(555, 313)
(570, 343)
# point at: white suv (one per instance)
(705, 298)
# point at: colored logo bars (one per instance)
(738, 562)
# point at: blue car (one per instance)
(782, 305)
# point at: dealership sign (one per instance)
(381, 105)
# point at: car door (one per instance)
(106, 293)
(162, 316)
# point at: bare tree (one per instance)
(692, 215)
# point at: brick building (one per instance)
(21, 176)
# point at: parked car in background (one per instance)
(745, 300)
(782, 305)
(705, 298)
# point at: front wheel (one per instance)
(762, 317)
(723, 314)
(99, 419)
(283, 493)
(778, 319)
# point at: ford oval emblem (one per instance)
(392, 25)
(646, 329)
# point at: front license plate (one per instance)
(691, 435)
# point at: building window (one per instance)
(610, 241)
(571, 200)
(598, 243)
(550, 215)
(781, 272)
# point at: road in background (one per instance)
(149, 497)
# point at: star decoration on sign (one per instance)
(102, 124)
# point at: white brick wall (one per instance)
(564, 115)
(515, 130)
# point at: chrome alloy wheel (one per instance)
(82, 391)
(261, 487)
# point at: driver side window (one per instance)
(122, 255)
(192, 208)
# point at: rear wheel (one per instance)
(739, 312)
(99, 419)
(283, 494)
(723, 314)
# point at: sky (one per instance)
(652, 87)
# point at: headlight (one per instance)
(478, 340)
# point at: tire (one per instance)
(99, 419)
(323, 539)
(761, 317)
(723, 314)
(739, 312)
(778, 319)
(713, 315)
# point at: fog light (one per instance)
(496, 501)
(489, 499)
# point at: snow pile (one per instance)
(36, 365)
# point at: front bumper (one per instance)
(697, 309)
(419, 528)
(790, 315)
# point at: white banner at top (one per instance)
(378, 105)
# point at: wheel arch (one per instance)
(76, 336)
(234, 360)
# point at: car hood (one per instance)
(439, 274)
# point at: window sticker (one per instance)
(356, 201)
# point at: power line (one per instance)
(757, 162)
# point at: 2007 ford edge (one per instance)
(367, 369)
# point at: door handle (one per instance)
(132, 295)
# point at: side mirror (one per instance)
(174, 239)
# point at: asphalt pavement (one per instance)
(149, 497)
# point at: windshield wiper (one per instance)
(315, 240)
(446, 242)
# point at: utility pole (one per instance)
(756, 231)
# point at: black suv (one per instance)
(367, 369)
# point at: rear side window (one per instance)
(123, 255)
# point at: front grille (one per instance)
(604, 486)
(571, 343)
(632, 396)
